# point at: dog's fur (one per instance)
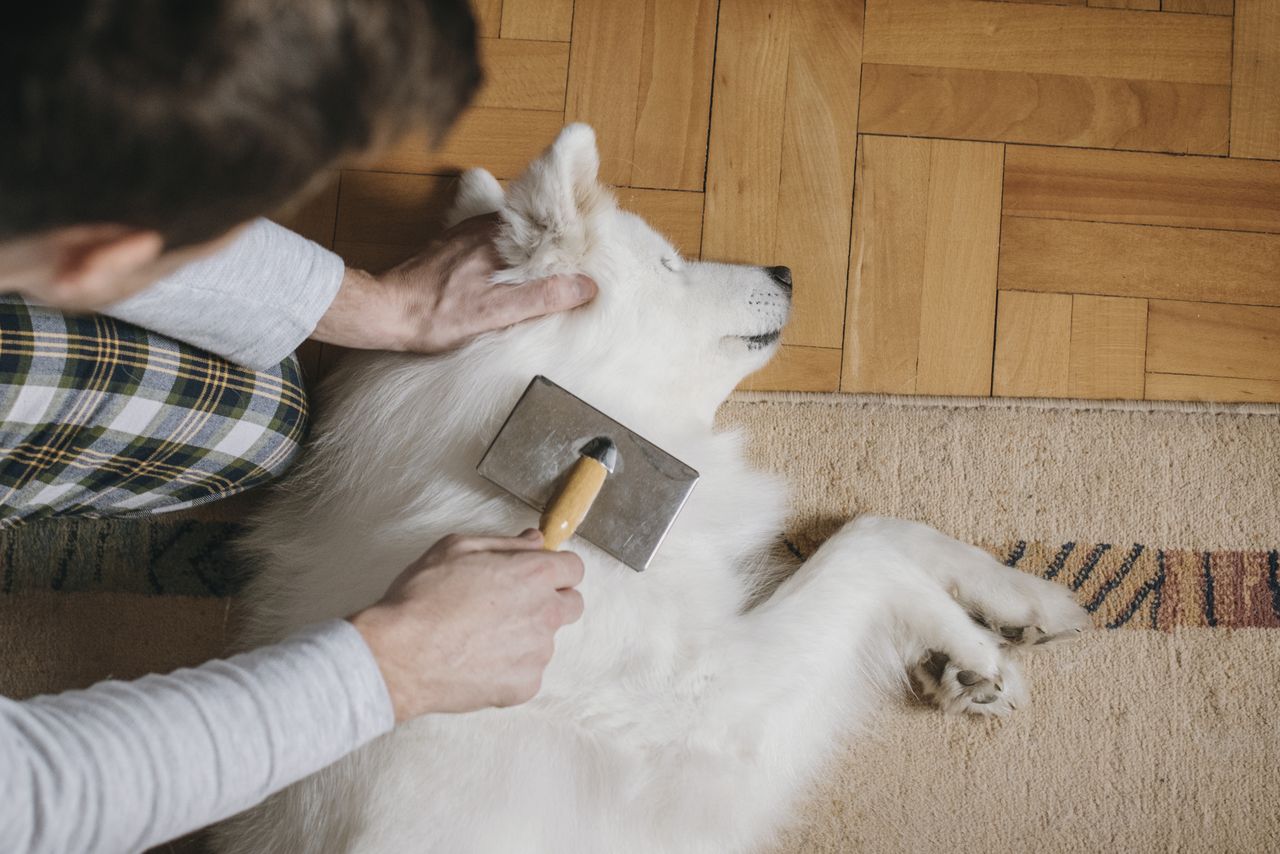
(681, 713)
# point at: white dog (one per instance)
(693, 703)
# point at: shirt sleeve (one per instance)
(123, 766)
(252, 303)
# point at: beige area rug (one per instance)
(1178, 475)
(1164, 517)
(1160, 735)
(1136, 741)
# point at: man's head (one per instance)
(136, 129)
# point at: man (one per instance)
(140, 139)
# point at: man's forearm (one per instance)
(366, 314)
(123, 766)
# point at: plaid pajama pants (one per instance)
(101, 418)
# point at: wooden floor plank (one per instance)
(1148, 189)
(1016, 106)
(640, 73)
(922, 289)
(798, 369)
(1148, 5)
(1224, 389)
(527, 75)
(886, 266)
(1108, 347)
(1049, 40)
(958, 291)
(783, 137)
(1200, 7)
(1047, 2)
(1062, 256)
(546, 20)
(1033, 345)
(815, 192)
(1214, 340)
(1255, 85)
(389, 208)
(604, 79)
(500, 140)
(488, 17)
(313, 215)
(744, 159)
(678, 215)
(674, 97)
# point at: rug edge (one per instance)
(1038, 404)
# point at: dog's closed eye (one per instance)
(671, 263)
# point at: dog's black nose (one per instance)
(781, 275)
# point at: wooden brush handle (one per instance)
(567, 510)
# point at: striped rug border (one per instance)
(1123, 585)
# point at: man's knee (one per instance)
(265, 436)
(102, 418)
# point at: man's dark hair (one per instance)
(190, 116)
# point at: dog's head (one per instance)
(664, 327)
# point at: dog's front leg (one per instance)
(881, 597)
(794, 674)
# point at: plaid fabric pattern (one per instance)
(100, 418)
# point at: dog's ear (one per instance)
(478, 193)
(552, 212)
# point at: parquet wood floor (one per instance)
(977, 197)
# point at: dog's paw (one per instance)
(1020, 609)
(955, 663)
(957, 646)
(995, 689)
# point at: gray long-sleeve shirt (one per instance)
(125, 765)
(253, 302)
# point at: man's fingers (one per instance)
(570, 570)
(571, 605)
(564, 569)
(455, 544)
(544, 296)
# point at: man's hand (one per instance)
(471, 623)
(438, 300)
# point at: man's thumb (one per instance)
(549, 295)
(570, 291)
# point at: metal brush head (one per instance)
(602, 450)
(546, 433)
